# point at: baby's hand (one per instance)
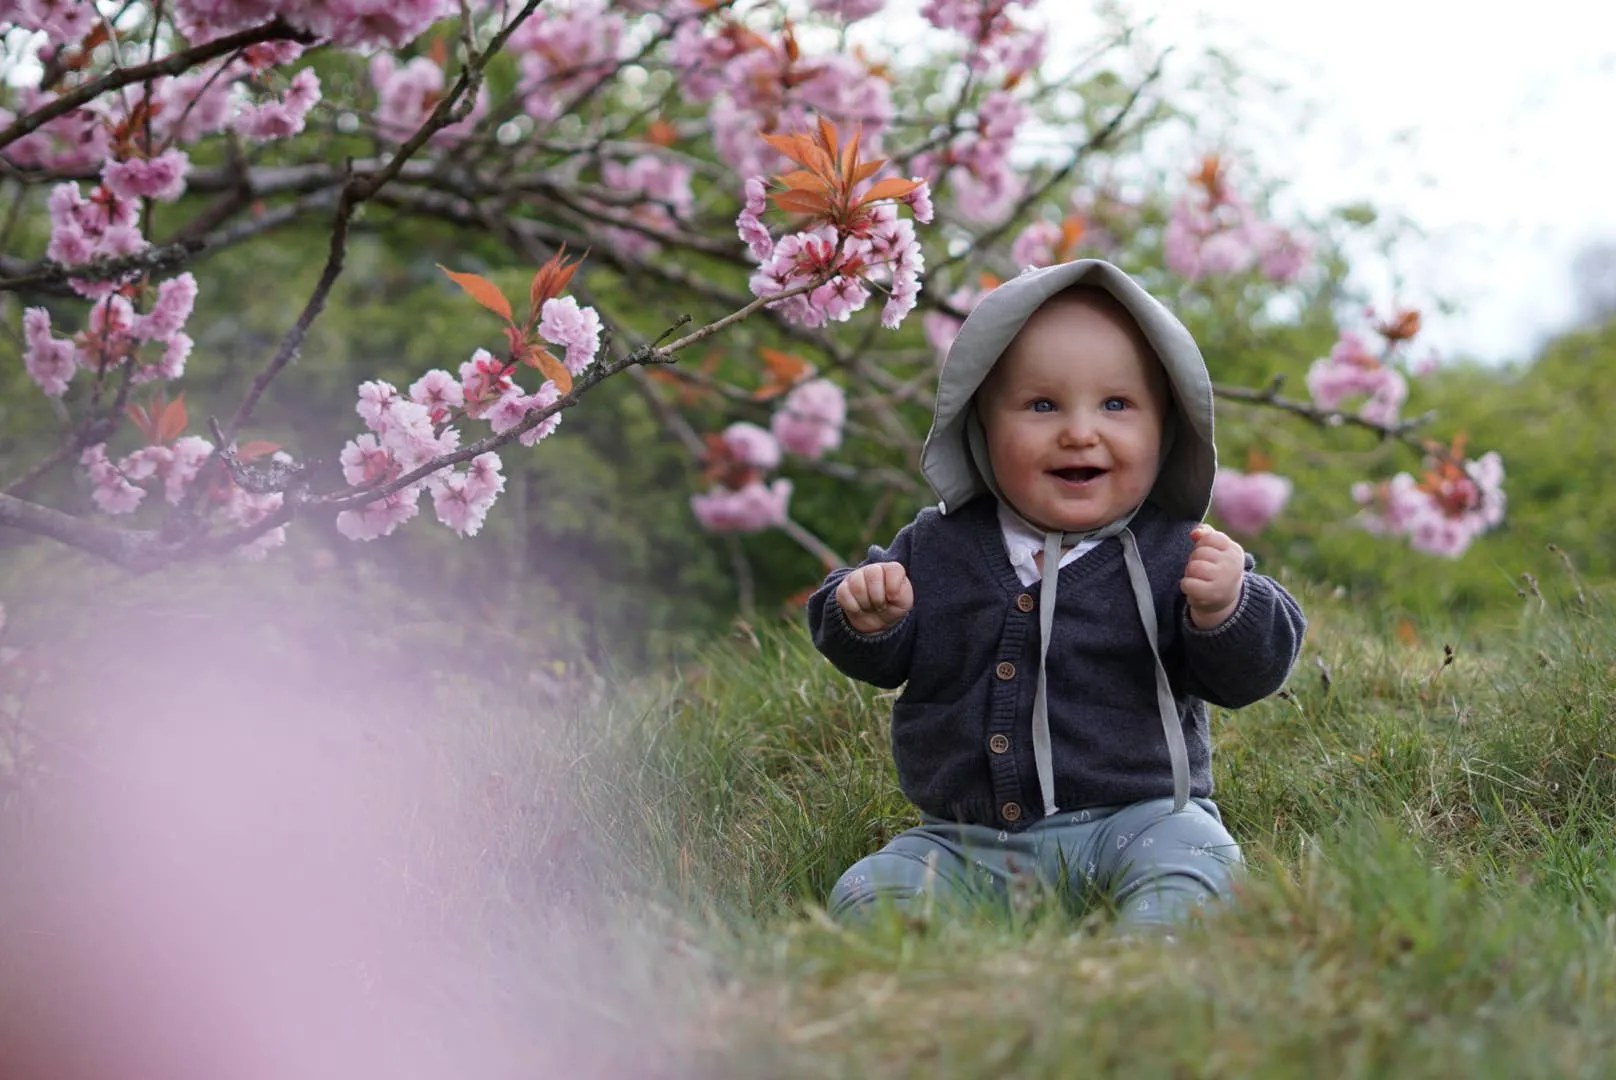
(1213, 577)
(874, 597)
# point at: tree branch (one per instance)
(173, 64)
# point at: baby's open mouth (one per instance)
(1078, 476)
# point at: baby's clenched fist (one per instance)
(876, 596)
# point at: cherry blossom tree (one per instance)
(742, 159)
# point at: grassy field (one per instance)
(623, 881)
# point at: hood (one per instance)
(1184, 485)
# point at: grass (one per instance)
(1429, 823)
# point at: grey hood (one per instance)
(1184, 485)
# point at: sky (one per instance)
(1489, 132)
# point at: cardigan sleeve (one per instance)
(1251, 653)
(881, 659)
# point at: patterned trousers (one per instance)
(1152, 865)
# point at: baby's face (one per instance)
(1073, 416)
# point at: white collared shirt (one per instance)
(1024, 545)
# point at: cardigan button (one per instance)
(1005, 671)
(1010, 811)
(1025, 602)
(999, 744)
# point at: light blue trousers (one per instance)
(1152, 865)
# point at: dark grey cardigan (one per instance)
(969, 655)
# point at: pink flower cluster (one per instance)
(1352, 371)
(941, 328)
(120, 487)
(807, 424)
(996, 39)
(75, 140)
(1440, 514)
(64, 22)
(104, 226)
(977, 162)
(115, 334)
(564, 51)
(809, 421)
(881, 250)
(663, 189)
(1247, 502)
(284, 117)
(352, 24)
(1214, 232)
(755, 85)
(750, 509)
(408, 430)
(848, 10)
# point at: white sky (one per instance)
(1491, 132)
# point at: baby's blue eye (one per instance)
(1042, 405)
(1115, 404)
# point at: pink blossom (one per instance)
(65, 22)
(161, 178)
(169, 313)
(375, 396)
(82, 230)
(810, 420)
(665, 196)
(462, 499)
(407, 431)
(751, 444)
(196, 103)
(185, 461)
(752, 508)
(563, 51)
(1351, 371)
(364, 462)
(281, 119)
(919, 201)
(1441, 515)
(172, 364)
(1035, 245)
(1247, 502)
(438, 391)
(50, 361)
(750, 224)
(372, 24)
(380, 517)
(563, 322)
(483, 381)
(849, 10)
(111, 492)
(547, 395)
(511, 409)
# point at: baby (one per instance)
(1061, 619)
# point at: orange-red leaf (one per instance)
(784, 367)
(553, 370)
(800, 202)
(1257, 461)
(256, 449)
(850, 153)
(143, 422)
(482, 290)
(792, 146)
(893, 187)
(827, 135)
(172, 422)
(866, 170)
(802, 180)
(661, 133)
